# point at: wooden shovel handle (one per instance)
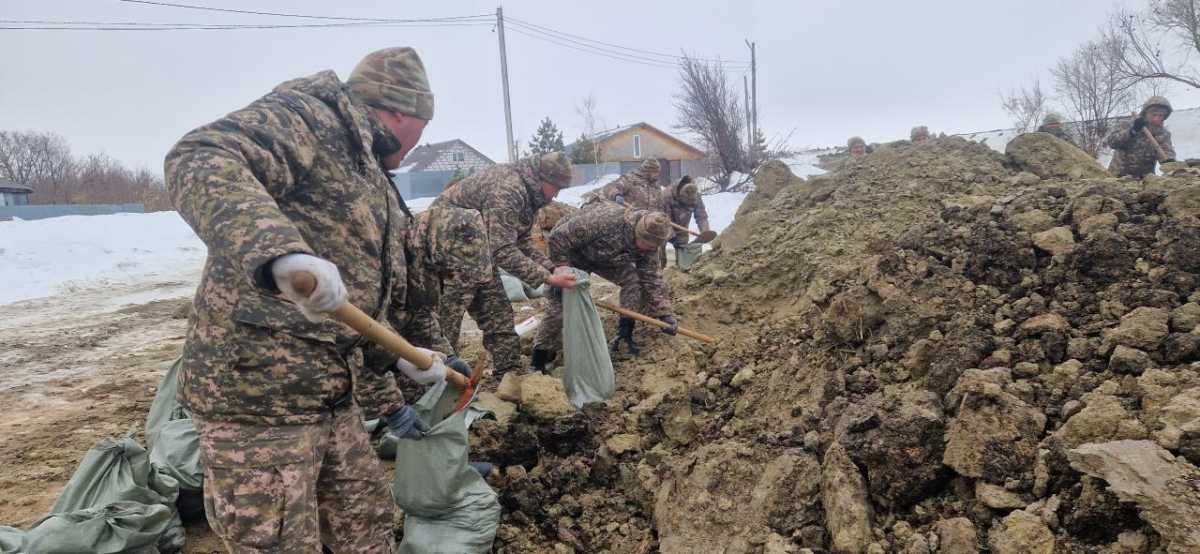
(1162, 154)
(304, 283)
(651, 321)
(706, 236)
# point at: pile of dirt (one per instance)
(914, 352)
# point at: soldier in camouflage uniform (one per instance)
(636, 189)
(296, 182)
(508, 196)
(919, 135)
(618, 244)
(448, 259)
(857, 146)
(1053, 124)
(1133, 153)
(680, 203)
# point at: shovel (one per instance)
(354, 318)
(1162, 154)
(706, 236)
(651, 321)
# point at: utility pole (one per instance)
(753, 86)
(512, 151)
(749, 123)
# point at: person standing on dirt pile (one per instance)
(508, 197)
(636, 189)
(295, 183)
(617, 244)
(680, 203)
(857, 146)
(919, 135)
(1133, 153)
(1053, 124)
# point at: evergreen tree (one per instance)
(584, 151)
(547, 139)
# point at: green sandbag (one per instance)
(172, 438)
(687, 255)
(120, 527)
(448, 507)
(514, 288)
(117, 471)
(588, 374)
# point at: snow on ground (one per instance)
(62, 254)
(574, 195)
(804, 163)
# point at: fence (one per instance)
(421, 184)
(43, 211)
(672, 170)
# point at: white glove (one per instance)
(327, 296)
(432, 376)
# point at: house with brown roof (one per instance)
(628, 146)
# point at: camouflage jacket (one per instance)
(293, 172)
(508, 197)
(600, 237)
(1133, 155)
(638, 191)
(680, 214)
(445, 244)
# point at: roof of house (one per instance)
(610, 133)
(422, 156)
(9, 186)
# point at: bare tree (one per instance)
(1137, 39)
(1093, 90)
(708, 107)
(586, 149)
(1026, 106)
(38, 160)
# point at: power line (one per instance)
(577, 38)
(607, 54)
(302, 16)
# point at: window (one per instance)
(637, 146)
(458, 156)
(3, 198)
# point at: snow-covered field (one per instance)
(57, 255)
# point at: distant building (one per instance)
(427, 169)
(630, 145)
(12, 194)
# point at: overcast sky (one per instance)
(827, 69)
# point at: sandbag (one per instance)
(514, 288)
(448, 507)
(171, 435)
(588, 375)
(687, 255)
(120, 527)
(116, 471)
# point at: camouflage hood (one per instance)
(1157, 102)
(325, 86)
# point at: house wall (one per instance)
(620, 148)
(446, 162)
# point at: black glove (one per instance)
(1138, 125)
(674, 325)
(459, 365)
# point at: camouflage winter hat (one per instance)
(919, 131)
(553, 168)
(393, 79)
(855, 140)
(1052, 119)
(654, 228)
(650, 167)
(689, 194)
(1157, 102)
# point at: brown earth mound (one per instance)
(911, 349)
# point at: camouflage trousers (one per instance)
(292, 488)
(491, 310)
(549, 335)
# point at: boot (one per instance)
(540, 358)
(625, 333)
